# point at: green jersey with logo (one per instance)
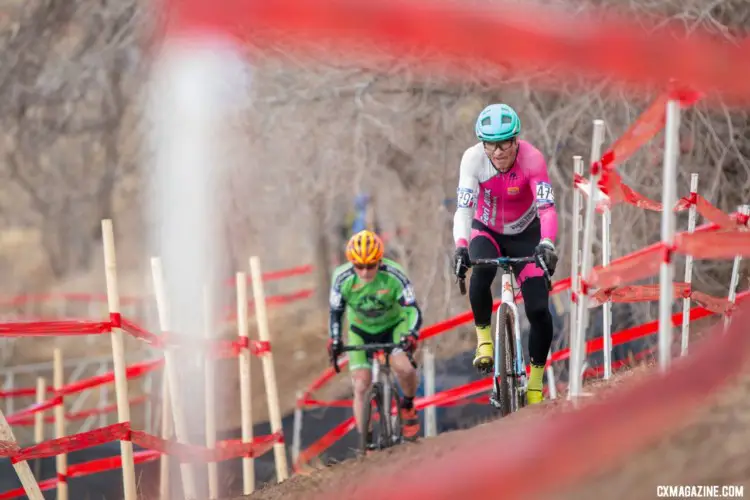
(376, 306)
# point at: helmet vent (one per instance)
(486, 121)
(507, 119)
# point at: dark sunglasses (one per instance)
(367, 266)
(503, 145)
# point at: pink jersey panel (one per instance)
(506, 202)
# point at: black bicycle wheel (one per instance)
(503, 382)
(513, 375)
(373, 419)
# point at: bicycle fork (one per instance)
(381, 376)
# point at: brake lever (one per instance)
(335, 363)
(547, 277)
(461, 280)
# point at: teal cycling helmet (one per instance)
(497, 122)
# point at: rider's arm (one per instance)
(337, 305)
(408, 303)
(466, 197)
(545, 198)
(406, 298)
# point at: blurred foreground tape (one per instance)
(459, 37)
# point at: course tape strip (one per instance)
(132, 371)
(225, 450)
(122, 432)
(20, 300)
(80, 415)
(618, 47)
(217, 349)
(613, 182)
(85, 469)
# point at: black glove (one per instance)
(461, 262)
(545, 252)
(409, 342)
(335, 348)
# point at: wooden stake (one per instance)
(269, 374)
(118, 355)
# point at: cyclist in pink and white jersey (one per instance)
(506, 207)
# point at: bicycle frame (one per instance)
(382, 374)
(509, 297)
(519, 386)
(382, 378)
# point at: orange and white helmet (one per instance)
(364, 249)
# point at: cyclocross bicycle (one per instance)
(382, 397)
(509, 378)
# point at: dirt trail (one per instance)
(710, 448)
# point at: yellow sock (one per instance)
(536, 380)
(484, 335)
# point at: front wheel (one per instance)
(504, 386)
(373, 418)
(396, 434)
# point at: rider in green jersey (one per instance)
(381, 307)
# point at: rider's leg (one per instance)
(536, 303)
(361, 380)
(361, 373)
(482, 246)
(406, 375)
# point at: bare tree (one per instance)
(67, 84)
